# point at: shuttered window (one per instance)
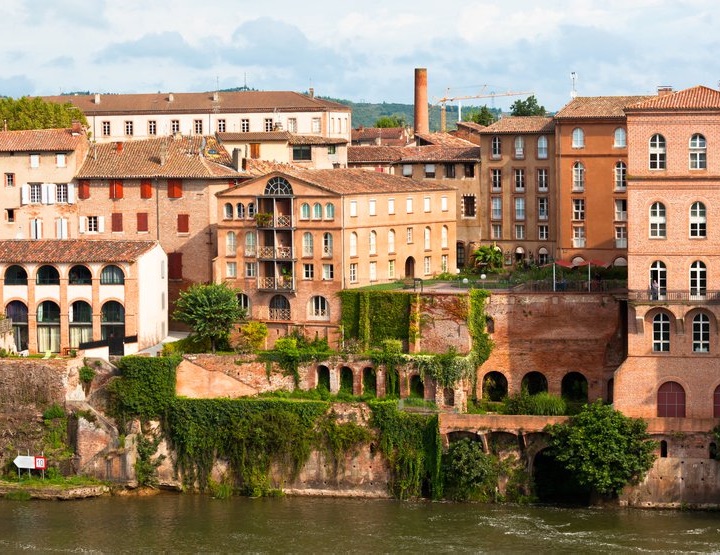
(142, 221)
(116, 189)
(175, 265)
(145, 188)
(84, 189)
(117, 222)
(175, 188)
(183, 223)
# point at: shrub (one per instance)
(470, 473)
(87, 374)
(542, 403)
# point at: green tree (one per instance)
(483, 116)
(604, 449)
(390, 121)
(210, 310)
(36, 113)
(528, 107)
(488, 257)
(470, 473)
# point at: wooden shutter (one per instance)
(142, 221)
(117, 221)
(84, 189)
(116, 189)
(175, 188)
(145, 188)
(254, 150)
(175, 265)
(183, 223)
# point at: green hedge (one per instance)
(146, 388)
(373, 316)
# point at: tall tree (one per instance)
(210, 310)
(36, 113)
(528, 107)
(390, 121)
(483, 116)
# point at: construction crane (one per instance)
(447, 98)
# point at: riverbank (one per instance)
(53, 492)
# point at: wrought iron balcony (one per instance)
(276, 284)
(664, 296)
(272, 253)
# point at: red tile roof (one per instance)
(184, 157)
(40, 140)
(281, 136)
(72, 250)
(374, 154)
(517, 124)
(227, 102)
(256, 168)
(388, 136)
(695, 98)
(594, 107)
(410, 154)
(444, 139)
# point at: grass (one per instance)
(50, 480)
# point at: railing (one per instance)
(279, 314)
(276, 284)
(275, 252)
(575, 286)
(674, 296)
(251, 251)
(283, 221)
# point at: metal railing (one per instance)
(276, 284)
(675, 296)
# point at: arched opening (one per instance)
(79, 275)
(279, 308)
(417, 388)
(574, 388)
(489, 324)
(16, 275)
(48, 327)
(323, 378)
(392, 383)
(112, 326)
(534, 382)
(369, 382)
(449, 397)
(610, 391)
(519, 255)
(346, 380)
(554, 484)
(663, 449)
(410, 267)
(48, 275)
(80, 317)
(462, 434)
(494, 387)
(112, 275)
(671, 400)
(17, 312)
(502, 442)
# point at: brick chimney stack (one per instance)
(422, 124)
(662, 90)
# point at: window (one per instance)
(698, 221)
(543, 208)
(327, 244)
(578, 177)
(61, 193)
(175, 188)
(315, 125)
(250, 269)
(620, 138)
(308, 244)
(391, 269)
(36, 228)
(543, 256)
(671, 401)
(620, 210)
(308, 271)
(426, 204)
(429, 171)
(60, 160)
(152, 127)
(112, 275)
(578, 236)
(698, 279)
(578, 209)
(698, 152)
(231, 269)
(372, 246)
(542, 147)
(519, 231)
(701, 333)
(116, 222)
(221, 126)
(142, 222)
(443, 204)
(496, 231)
(115, 189)
(353, 244)
(496, 208)
(145, 188)
(661, 332)
(469, 170)
(198, 126)
(657, 221)
(620, 176)
(519, 208)
(175, 126)
(543, 232)
(129, 128)
(578, 138)
(372, 271)
(496, 148)
(244, 125)
(407, 170)
(450, 171)
(328, 272)
(427, 265)
(106, 129)
(542, 180)
(519, 174)
(9, 180)
(391, 241)
(620, 237)
(444, 263)
(230, 243)
(657, 152)
(302, 153)
(353, 208)
(84, 189)
(444, 237)
(519, 148)
(240, 211)
(329, 211)
(48, 331)
(468, 206)
(35, 193)
(409, 235)
(304, 211)
(80, 317)
(93, 224)
(409, 205)
(426, 239)
(353, 272)
(292, 125)
(251, 210)
(319, 308)
(183, 223)
(175, 265)
(391, 206)
(372, 207)
(228, 211)
(496, 180)
(317, 211)
(9, 214)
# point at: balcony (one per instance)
(664, 296)
(273, 253)
(276, 284)
(268, 220)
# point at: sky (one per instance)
(361, 51)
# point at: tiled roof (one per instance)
(471, 125)
(184, 157)
(587, 107)
(72, 250)
(518, 124)
(315, 140)
(40, 140)
(695, 98)
(256, 167)
(409, 154)
(351, 181)
(444, 139)
(372, 154)
(255, 136)
(227, 102)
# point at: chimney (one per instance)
(312, 92)
(662, 90)
(238, 161)
(76, 128)
(118, 146)
(170, 97)
(97, 98)
(421, 101)
(216, 96)
(163, 153)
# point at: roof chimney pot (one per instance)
(662, 90)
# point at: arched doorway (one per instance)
(554, 484)
(48, 327)
(322, 378)
(417, 388)
(494, 387)
(369, 382)
(410, 267)
(17, 312)
(574, 387)
(346, 380)
(534, 382)
(112, 326)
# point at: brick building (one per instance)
(291, 240)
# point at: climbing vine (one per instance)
(389, 312)
(482, 344)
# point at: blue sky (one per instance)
(361, 51)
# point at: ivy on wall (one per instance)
(373, 316)
(482, 344)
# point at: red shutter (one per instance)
(183, 223)
(117, 221)
(84, 189)
(116, 189)
(175, 188)
(142, 221)
(145, 188)
(175, 265)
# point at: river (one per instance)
(173, 523)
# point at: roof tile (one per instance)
(51, 251)
(40, 140)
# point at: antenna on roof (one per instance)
(573, 77)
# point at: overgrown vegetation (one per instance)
(542, 403)
(146, 466)
(296, 349)
(470, 473)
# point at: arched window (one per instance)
(318, 308)
(307, 244)
(658, 279)
(578, 176)
(250, 244)
(620, 138)
(519, 147)
(698, 152)
(251, 210)
(304, 211)
(578, 138)
(426, 239)
(16, 275)
(661, 333)
(48, 275)
(230, 243)
(496, 147)
(701, 333)
(229, 212)
(240, 211)
(657, 152)
(372, 244)
(698, 279)
(574, 387)
(542, 147)
(329, 211)
(48, 327)
(327, 244)
(534, 382)
(279, 308)
(17, 312)
(620, 176)
(460, 254)
(444, 237)
(112, 275)
(698, 220)
(80, 316)
(278, 186)
(79, 275)
(671, 400)
(317, 211)
(244, 303)
(353, 244)
(543, 256)
(391, 241)
(658, 229)
(112, 320)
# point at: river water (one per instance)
(173, 523)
